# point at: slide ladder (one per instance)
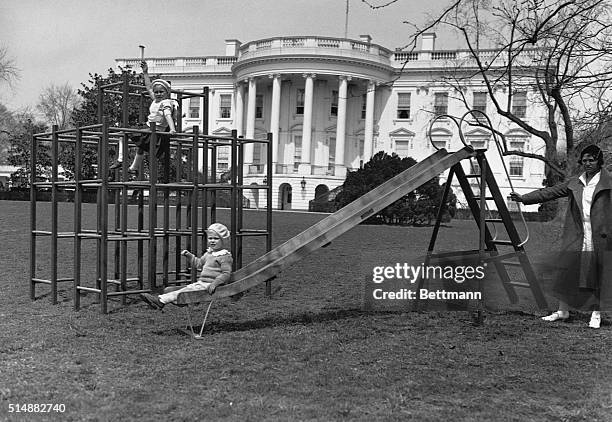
(490, 244)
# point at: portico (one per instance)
(308, 115)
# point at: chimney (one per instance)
(428, 41)
(231, 47)
(365, 38)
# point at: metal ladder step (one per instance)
(520, 284)
(488, 198)
(503, 242)
(494, 220)
(511, 264)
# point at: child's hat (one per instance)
(163, 83)
(220, 230)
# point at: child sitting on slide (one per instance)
(214, 266)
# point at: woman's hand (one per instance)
(144, 66)
(516, 197)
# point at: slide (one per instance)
(281, 257)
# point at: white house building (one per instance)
(331, 103)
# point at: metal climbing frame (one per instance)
(128, 260)
(489, 241)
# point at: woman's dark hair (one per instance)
(595, 151)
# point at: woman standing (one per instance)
(585, 263)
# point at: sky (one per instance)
(62, 41)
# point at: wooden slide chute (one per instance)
(320, 234)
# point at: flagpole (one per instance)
(346, 20)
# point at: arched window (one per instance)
(321, 193)
(440, 137)
(402, 141)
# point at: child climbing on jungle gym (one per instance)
(162, 112)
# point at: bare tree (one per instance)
(6, 128)
(8, 71)
(57, 103)
(558, 50)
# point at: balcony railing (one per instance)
(322, 170)
(465, 57)
(258, 168)
(315, 45)
(294, 42)
(328, 43)
(443, 55)
(264, 45)
(284, 168)
(164, 62)
(361, 46)
(188, 64)
(195, 61)
(226, 61)
(326, 46)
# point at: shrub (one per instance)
(417, 208)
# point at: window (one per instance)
(332, 153)
(259, 106)
(480, 103)
(297, 152)
(364, 105)
(299, 104)
(516, 166)
(440, 140)
(440, 103)
(475, 169)
(519, 104)
(516, 162)
(223, 153)
(194, 108)
(334, 104)
(512, 205)
(223, 158)
(257, 152)
(225, 106)
(477, 142)
(402, 147)
(361, 147)
(403, 105)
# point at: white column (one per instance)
(369, 123)
(275, 117)
(240, 108)
(307, 124)
(340, 168)
(250, 124)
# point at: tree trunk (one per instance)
(552, 177)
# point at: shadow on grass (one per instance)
(90, 301)
(257, 324)
(62, 296)
(463, 315)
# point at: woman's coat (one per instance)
(583, 289)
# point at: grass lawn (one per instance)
(309, 353)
